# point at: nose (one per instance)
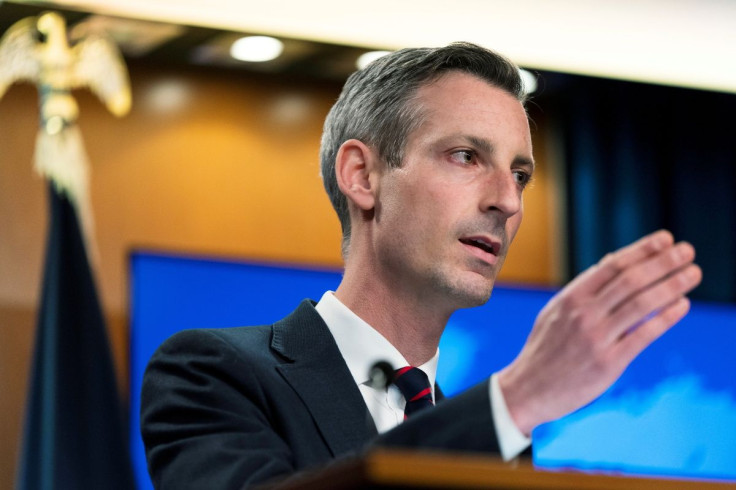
(501, 194)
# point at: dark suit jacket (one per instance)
(225, 408)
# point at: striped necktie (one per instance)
(414, 385)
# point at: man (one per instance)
(425, 157)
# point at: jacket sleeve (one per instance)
(461, 423)
(204, 422)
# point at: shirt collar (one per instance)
(360, 344)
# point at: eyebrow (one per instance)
(481, 143)
(487, 147)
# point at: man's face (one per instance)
(445, 218)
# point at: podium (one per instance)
(390, 469)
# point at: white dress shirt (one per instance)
(362, 346)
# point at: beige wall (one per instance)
(210, 162)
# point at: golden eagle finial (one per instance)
(36, 49)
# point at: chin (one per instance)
(479, 298)
(466, 289)
(470, 295)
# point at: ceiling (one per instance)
(160, 42)
(689, 43)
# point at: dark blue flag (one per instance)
(74, 433)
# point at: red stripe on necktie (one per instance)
(422, 393)
(401, 371)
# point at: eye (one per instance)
(464, 157)
(522, 178)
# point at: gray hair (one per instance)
(376, 105)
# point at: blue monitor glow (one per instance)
(673, 412)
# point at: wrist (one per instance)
(519, 400)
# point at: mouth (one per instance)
(482, 246)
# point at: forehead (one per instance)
(462, 103)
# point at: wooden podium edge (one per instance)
(462, 470)
(383, 469)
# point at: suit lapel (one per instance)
(322, 380)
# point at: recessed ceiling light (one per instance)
(528, 81)
(366, 58)
(256, 48)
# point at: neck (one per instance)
(412, 325)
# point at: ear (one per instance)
(354, 166)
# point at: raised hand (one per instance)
(586, 336)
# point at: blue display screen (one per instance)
(673, 412)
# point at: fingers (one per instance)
(637, 308)
(627, 286)
(613, 264)
(644, 274)
(638, 339)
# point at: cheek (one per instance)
(417, 207)
(419, 217)
(419, 201)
